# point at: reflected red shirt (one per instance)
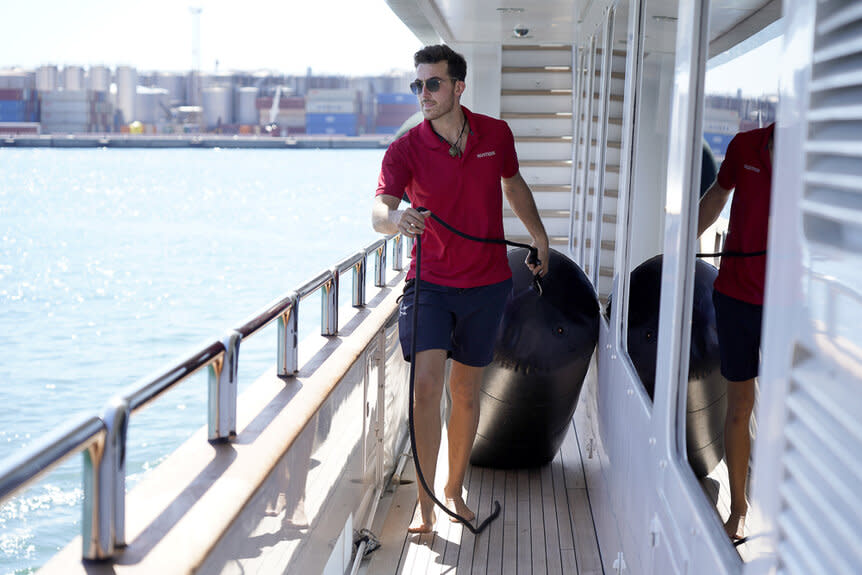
(464, 192)
(748, 169)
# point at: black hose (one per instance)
(534, 259)
(731, 254)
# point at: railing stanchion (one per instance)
(359, 282)
(288, 326)
(329, 304)
(397, 253)
(104, 514)
(380, 266)
(223, 390)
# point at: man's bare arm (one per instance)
(710, 206)
(522, 203)
(386, 218)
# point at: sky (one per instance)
(345, 37)
(755, 72)
(348, 37)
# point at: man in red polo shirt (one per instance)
(452, 164)
(738, 295)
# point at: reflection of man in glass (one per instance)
(738, 295)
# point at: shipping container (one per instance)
(718, 142)
(337, 94)
(12, 94)
(344, 124)
(331, 107)
(17, 80)
(396, 98)
(284, 103)
(386, 129)
(15, 128)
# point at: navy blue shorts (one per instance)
(739, 325)
(462, 321)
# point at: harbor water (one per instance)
(114, 263)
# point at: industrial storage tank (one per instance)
(47, 78)
(193, 89)
(73, 78)
(127, 93)
(218, 106)
(99, 79)
(175, 84)
(151, 105)
(246, 110)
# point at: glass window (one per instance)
(657, 54)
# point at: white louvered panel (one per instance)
(819, 526)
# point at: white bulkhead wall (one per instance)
(484, 65)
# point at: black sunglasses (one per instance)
(433, 84)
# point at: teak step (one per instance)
(612, 97)
(616, 144)
(536, 115)
(561, 188)
(548, 139)
(552, 240)
(554, 92)
(546, 163)
(614, 75)
(608, 245)
(536, 69)
(608, 168)
(609, 193)
(537, 48)
(549, 213)
(606, 218)
(612, 121)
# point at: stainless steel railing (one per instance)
(102, 437)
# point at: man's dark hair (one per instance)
(456, 65)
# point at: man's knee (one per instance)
(464, 384)
(427, 387)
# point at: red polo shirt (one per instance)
(465, 192)
(747, 168)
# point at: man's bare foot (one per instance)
(456, 504)
(422, 522)
(735, 526)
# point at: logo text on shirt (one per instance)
(752, 168)
(486, 154)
